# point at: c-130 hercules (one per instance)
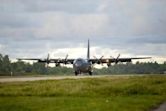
(81, 65)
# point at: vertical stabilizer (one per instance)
(88, 51)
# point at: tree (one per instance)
(39, 68)
(1, 62)
(6, 67)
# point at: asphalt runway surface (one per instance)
(36, 78)
(162, 107)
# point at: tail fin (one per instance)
(48, 56)
(88, 51)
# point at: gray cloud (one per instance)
(70, 6)
(36, 27)
(148, 39)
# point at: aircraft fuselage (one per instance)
(82, 66)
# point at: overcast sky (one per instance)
(33, 28)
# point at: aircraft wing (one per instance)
(33, 59)
(127, 59)
(114, 60)
(28, 59)
(63, 61)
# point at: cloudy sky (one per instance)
(33, 28)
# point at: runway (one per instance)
(162, 107)
(37, 78)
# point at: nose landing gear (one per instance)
(78, 72)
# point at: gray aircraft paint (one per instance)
(83, 65)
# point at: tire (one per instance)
(90, 73)
(76, 73)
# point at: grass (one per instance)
(122, 93)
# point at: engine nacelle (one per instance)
(41, 60)
(57, 64)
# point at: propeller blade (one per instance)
(101, 57)
(67, 56)
(65, 61)
(48, 59)
(99, 61)
(117, 59)
(118, 56)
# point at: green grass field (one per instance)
(114, 93)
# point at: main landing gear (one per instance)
(90, 73)
(76, 73)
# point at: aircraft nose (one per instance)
(78, 64)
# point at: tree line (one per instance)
(22, 68)
(138, 68)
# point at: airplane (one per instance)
(81, 65)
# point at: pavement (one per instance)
(162, 107)
(37, 78)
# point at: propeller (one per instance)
(47, 60)
(99, 61)
(65, 61)
(62, 61)
(58, 62)
(116, 59)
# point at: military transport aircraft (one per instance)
(81, 65)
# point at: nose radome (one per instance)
(78, 64)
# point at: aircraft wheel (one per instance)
(90, 73)
(76, 73)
